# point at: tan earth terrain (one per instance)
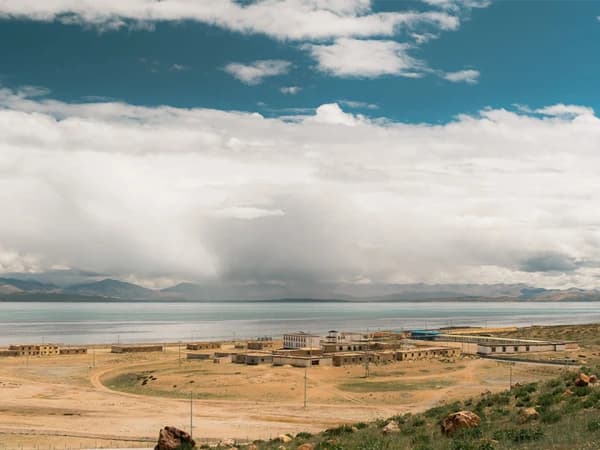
(62, 402)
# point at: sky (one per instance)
(301, 141)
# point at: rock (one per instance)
(282, 447)
(459, 420)
(171, 438)
(582, 379)
(391, 427)
(528, 414)
(568, 392)
(252, 447)
(593, 379)
(306, 447)
(284, 438)
(226, 443)
(354, 430)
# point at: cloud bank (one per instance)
(281, 19)
(201, 194)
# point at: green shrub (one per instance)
(550, 416)
(338, 431)
(304, 435)
(594, 425)
(518, 435)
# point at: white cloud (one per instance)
(161, 192)
(454, 5)
(365, 58)
(282, 19)
(359, 105)
(565, 110)
(332, 114)
(255, 72)
(291, 90)
(469, 76)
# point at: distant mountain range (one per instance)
(26, 288)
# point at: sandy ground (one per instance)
(62, 402)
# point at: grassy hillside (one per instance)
(569, 419)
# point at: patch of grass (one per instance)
(365, 385)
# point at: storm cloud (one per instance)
(163, 194)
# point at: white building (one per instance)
(301, 340)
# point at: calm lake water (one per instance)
(87, 323)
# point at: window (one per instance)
(503, 349)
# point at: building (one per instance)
(252, 359)
(301, 340)
(260, 345)
(199, 356)
(136, 348)
(491, 345)
(203, 346)
(73, 350)
(301, 361)
(337, 347)
(34, 350)
(298, 352)
(417, 353)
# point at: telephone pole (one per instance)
(305, 385)
(368, 355)
(191, 415)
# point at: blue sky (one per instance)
(291, 143)
(527, 52)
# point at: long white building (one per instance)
(301, 340)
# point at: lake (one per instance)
(128, 322)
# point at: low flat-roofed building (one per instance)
(136, 348)
(298, 352)
(260, 345)
(498, 345)
(203, 345)
(357, 346)
(426, 353)
(6, 352)
(301, 340)
(301, 361)
(73, 350)
(199, 356)
(252, 359)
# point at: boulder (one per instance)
(459, 420)
(226, 443)
(568, 392)
(282, 447)
(528, 414)
(252, 447)
(593, 379)
(284, 438)
(582, 379)
(171, 438)
(306, 447)
(391, 427)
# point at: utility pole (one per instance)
(191, 415)
(179, 350)
(305, 385)
(368, 355)
(94, 357)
